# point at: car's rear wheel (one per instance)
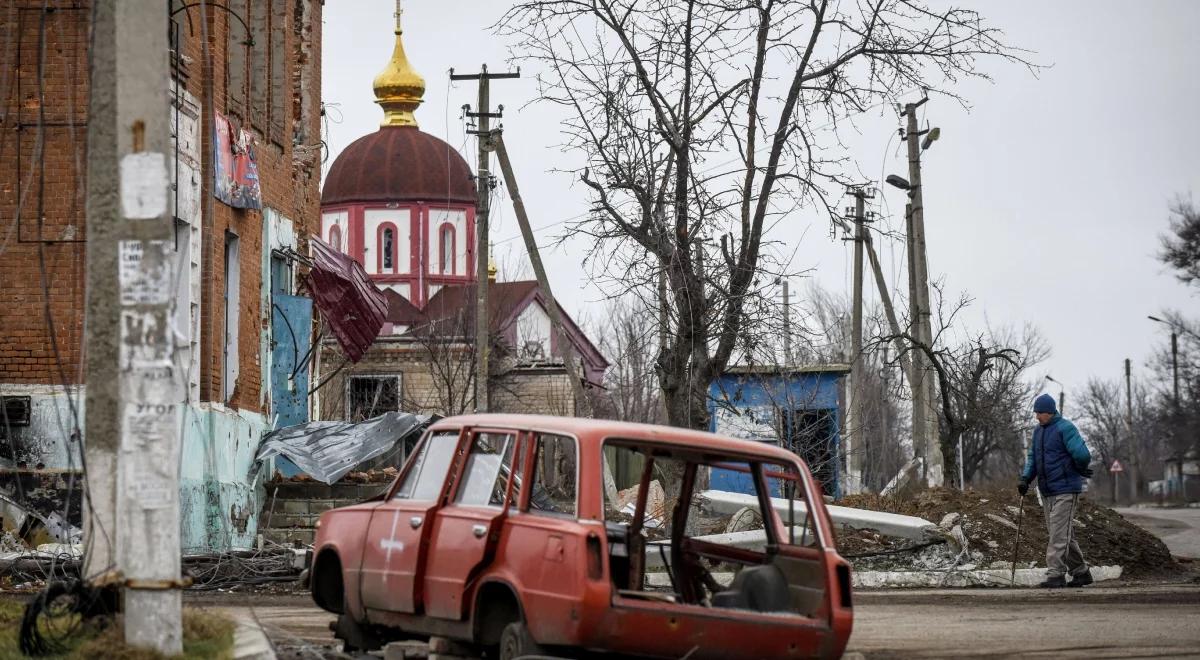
(516, 642)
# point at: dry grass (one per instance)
(206, 634)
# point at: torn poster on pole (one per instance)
(326, 451)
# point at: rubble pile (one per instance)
(979, 528)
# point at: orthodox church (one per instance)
(402, 203)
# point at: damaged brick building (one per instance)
(246, 152)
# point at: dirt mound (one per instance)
(988, 521)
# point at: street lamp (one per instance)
(1062, 394)
(1174, 354)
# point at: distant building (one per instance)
(401, 202)
(797, 408)
(246, 152)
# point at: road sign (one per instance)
(1116, 467)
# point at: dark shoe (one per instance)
(1055, 582)
(1083, 579)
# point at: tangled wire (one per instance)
(273, 563)
(56, 614)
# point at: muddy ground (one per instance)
(989, 520)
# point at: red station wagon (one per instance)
(505, 533)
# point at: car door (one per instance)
(398, 533)
(467, 529)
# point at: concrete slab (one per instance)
(1026, 577)
(891, 524)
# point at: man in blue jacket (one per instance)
(1059, 459)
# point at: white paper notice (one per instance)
(145, 272)
(143, 185)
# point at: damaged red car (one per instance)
(509, 535)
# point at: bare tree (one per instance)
(702, 123)
(1181, 247)
(628, 336)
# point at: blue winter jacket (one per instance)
(1056, 457)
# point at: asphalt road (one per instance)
(1178, 528)
(1094, 622)
(1124, 621)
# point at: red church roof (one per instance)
(399, 164)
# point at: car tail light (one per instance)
(843, 580)
(595, 564)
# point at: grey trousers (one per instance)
(1063, 556)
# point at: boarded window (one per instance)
(260, 29)
(237, 47)
(428, 471)
(485, 480)
(371, 396)
(280, 89)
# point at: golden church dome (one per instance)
(399, 89)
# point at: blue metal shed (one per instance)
(798, 408)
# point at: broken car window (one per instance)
(428, 472)
(488, 465)
(554, 469)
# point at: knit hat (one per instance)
(1044, 404)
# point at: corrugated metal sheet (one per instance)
(349, 302)
(326, 451)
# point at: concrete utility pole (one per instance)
(496, 141)
(483, 185)
(1134, 470)
(134, 390)
(925, 420)
(856, 422)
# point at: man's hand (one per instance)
(1087, 472)
(1023, 486)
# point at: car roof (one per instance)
(597, 430)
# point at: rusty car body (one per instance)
(471, 543)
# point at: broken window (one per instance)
(258, 88)
(388, 251)
(485, 479)
(371, 396)
(671, 540)
(425, 476)
(229, 347)
(555, 475)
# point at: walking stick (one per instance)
(1017, 546)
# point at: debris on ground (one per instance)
(987, 522)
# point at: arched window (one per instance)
(387, 249)
(446, 238)
(335, 238)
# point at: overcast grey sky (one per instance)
(1044, 201)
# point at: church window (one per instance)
(447, 240)
(335, 238)
(387, 249)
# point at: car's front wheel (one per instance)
(516, 642)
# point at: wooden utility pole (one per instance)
(135, 390)
(496, 141)
(787, 326)
(483, 190)
(889, 310)
(925, 420)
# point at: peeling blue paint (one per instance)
(220, 493)
(45, 442)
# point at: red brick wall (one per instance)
(290, 184)
(26, 351)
